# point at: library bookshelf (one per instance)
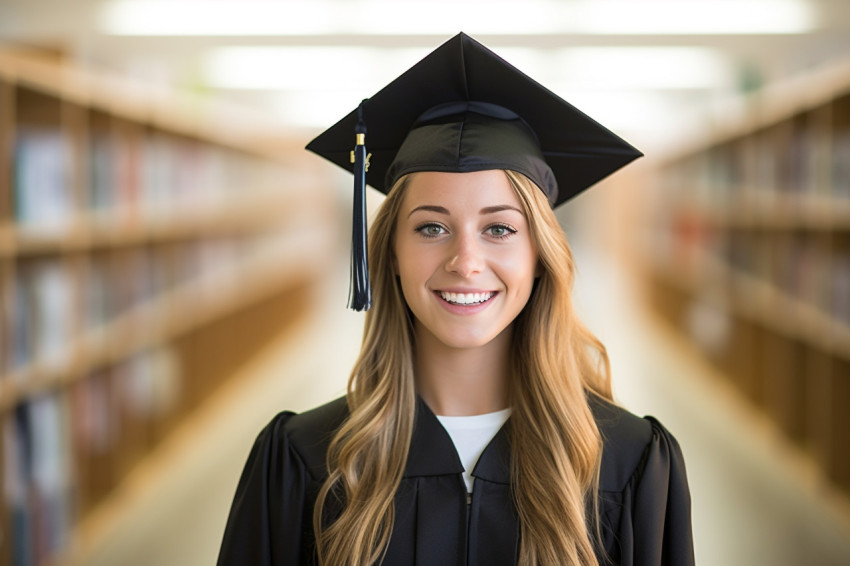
(747, 253)
(148, 248)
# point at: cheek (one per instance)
(415, 262)
(412, 273)
(520, 268)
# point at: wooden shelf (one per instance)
(741, 116)
(784, 213)
(140, 102)
(750, 257)
(150, 244)
(755, 300)
(7, 239)
(89, 233)
(299, 259)
(764, 435)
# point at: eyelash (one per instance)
(509, 231)
(422, 229)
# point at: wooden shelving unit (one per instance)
(748, 253)
(148, 247)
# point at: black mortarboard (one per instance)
(461, 109)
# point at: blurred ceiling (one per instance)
(648, 69)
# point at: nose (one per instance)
(465, 257)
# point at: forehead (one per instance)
(461, 191)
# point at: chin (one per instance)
(465, 339)
(466, 343)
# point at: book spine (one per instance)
(42, 191)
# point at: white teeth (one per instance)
(466, 298)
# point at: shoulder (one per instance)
(317, 426)
(628, 441)
(645, 502)
(308, 434)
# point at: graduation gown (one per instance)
(644, 499)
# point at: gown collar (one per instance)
(432, 452)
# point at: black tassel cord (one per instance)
(359, 291)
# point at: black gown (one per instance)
(644, 499)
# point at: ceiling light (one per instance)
(301, 68)
(429, 17)
(369, 69)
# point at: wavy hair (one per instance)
(556, 446)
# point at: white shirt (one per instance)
(471, 435)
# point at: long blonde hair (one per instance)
(556, 447)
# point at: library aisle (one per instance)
(756, 501)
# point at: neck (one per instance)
(462, 381)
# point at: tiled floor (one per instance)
(753, 505)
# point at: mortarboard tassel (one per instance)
(359, 292)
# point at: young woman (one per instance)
(479, 426)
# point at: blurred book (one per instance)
(20, 302)
(37, 478)
(96, 430)
(54, 297)
(44, 203)
(841, 163)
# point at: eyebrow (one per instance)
(431, 208)
(485, 210)
(499, 208)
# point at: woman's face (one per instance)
(464, 255)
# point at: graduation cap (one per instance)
(463, 109)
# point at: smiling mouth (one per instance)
(466, 298)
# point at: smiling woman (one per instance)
(466, 263)
(478, 427)
(470, 253)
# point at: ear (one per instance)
(538, 270)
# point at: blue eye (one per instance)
(500, 231)
(431, 230)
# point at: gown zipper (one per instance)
(468, 521)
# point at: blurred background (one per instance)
(173, 264)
